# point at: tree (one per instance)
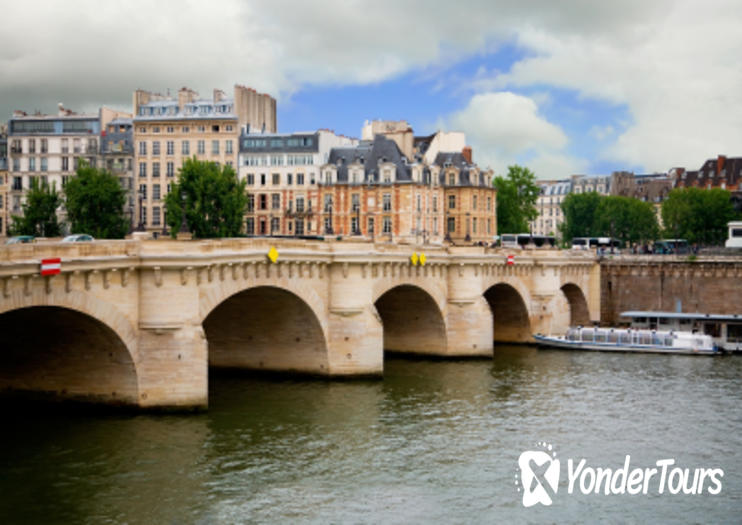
(625, 218)
(516, 200)
(697, 214)
(39, 212)
(579, 215)
(95, 203)
(215, 200)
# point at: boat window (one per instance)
(734, 333)
(712, 329)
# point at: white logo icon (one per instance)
(539, 475)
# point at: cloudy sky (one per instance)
(562, 87)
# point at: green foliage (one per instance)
(698, 215)
(95, 203)
(579, 215)
(215, 200)
(39, 212)
(593, 215)
(516, 200)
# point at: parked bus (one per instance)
(526, 240)
(671, 246)
(602, 244)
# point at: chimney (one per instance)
(61, 109)
(219, 95)
(720, 163)
(466, 152)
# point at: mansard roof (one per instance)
(370, 154)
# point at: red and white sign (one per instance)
(510, 260)
(51, 266)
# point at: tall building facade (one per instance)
(374, 190)
(281, 172)
(117, 157)
(47, 149)
(167, 130)
(549, 207)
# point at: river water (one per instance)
(433, 442)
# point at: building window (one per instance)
(215, 147)
(250, 202)
(65, 146)
(155, 169)
(435, 203)
(489, 204)
(452, 202)
(185, 147)
(263, 229)
(328, 225)
(356, 201)
(170, 147)
(387, 176)
(76, 146)
(65, 164)
(289, 179)
(44, 146)
(250, 224)
(300, 204)
(300, 179)
(143, 191)
(262, 179)
(474, 225)
(156, 147)
(387, 201)
(32, 164)
(370, 229)
(143, 148)
(451, 224)
(44, 164)
(142, 169)
(171, 169)
(250, 179)
(299, 227)
(452, 180)
(275, 201)
(17, 183)
(474, 202)
(201, 147)
(156, 192)
(275, 225)
(354, 226)
(435, 225)
(263, 201)
(228, 147)
(276, 179)
(155, 216)
(31, 146)
(419, 203)
(489, 226)
(387, 224)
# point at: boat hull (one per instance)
(555, 342)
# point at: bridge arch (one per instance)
(63, 352)
(413, 319)
(579, 314)
(511, 316)
(267, 327)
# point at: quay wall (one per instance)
(670, 283)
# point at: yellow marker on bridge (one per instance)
(273, 254)
(422, 259)
(413, 259)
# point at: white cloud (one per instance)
(505, 127)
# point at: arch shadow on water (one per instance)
(510, 319)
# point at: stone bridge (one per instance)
(140, 322)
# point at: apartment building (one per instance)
(374, 190)
(47, 149)
(168, 129)
(281, 171)
(117, 157)
(549, 207)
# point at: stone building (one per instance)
(48, 148)
(117, 157)
(549, 207)
(375, 190)
(281, 171)
(167, 130)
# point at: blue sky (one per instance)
(562, 87)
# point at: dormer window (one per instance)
(387, 176)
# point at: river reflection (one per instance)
(434, 442)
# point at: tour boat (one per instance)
(631, 340)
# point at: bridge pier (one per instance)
(469, 319)
(355, 343)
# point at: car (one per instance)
(20, 239)
(78, 237)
